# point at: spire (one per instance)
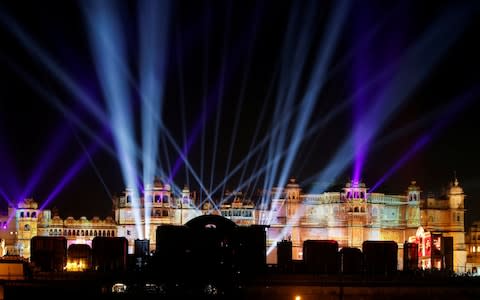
(455, 177)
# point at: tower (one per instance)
(456, 199)
(456, 196)
(292, 217)
(292, 197)
(355, 204)
(412, 215)
(26, 223)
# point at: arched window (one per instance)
(355, 209)
(113, 233)
(78, 232)
(157, 198)
(103, 233)
(95, 233)
(69, 232)
(165, 199)
(21, 214)
(34, 214)
(28, 214)
(90, 233)
(108, 233)
(82, 233)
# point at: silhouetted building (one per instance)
(351, 260)
(49, 253)
(210, 245)
(109, 254)
(284, 255)
(321, 256)
(410, 256)
(380, 257)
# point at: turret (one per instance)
(292, 190)
(456, 196)
(413, 193)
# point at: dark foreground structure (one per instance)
(209, 249)
(211, 257)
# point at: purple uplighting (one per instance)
(50, 153)
(5, 196)
(368, 61)
(70, 174)
(447, 116)
(417, 146)
(9, 180)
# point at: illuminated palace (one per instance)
(350, 216)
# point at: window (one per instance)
(34, 214)
(21, 214)
(128, 232)
(157, 198)
(458, 218)
(164, 213)
(165, 199)
(26, 227)
(113, 233)
(129, 199)
(94, 233)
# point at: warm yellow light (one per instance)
(76, 266)
(298, 298)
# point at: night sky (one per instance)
(402, 77)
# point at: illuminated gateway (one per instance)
(349, 216)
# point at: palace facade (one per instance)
(350, 216)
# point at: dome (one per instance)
(293, 183)
(211, 221)
(157, 183)
(413, 186)
(456, 189)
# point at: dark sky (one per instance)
(227, 64)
